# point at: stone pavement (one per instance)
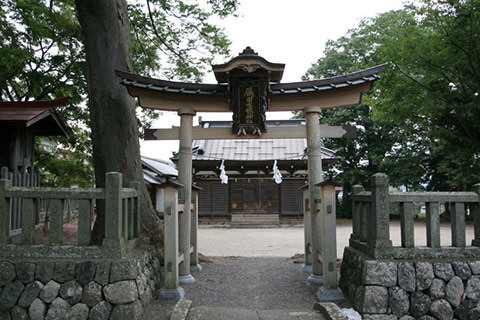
(210, 313)
(321, 311)
(240, 283)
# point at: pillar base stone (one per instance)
(186, 279)
(307, 268)
(172, 294)
(315, 279)
(196, 268)
(329, 294)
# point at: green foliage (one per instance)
(420, 123)
(60, 167)
(42, 56)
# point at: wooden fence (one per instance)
(371, 219)
(19, 179)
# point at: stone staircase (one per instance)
(255, 220)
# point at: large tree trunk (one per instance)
(106, 35)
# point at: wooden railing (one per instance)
(19, 179)
(371, 220)
(122, 213)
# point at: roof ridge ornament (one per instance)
(248, 51)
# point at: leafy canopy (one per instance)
(420, 122)
(42, 55)
(427, 100)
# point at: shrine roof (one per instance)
(276, 89)
(254, 149)
(133, 80)
(40, 115)
(248, 60)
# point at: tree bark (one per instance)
(106, 36)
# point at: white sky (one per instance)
(281, 31)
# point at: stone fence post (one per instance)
(379, 233)
(4, 207)
(356, 212)
(171, 289)
(136, 209)
(113, 210)
(476, 218)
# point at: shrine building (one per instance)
(251, 195)
(248, 86)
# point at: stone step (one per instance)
(321, 311)
(255, 219)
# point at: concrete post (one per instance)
(28, 221)
(56, 221)
(407, 214)
(113, 211)
(475, 208)
(85, 213)
(185, 193)
(194, 263)
(356, 212)
(171, 289)
(433, 224)
(314, 154)
(4, 210)
(329, 290)
(307, 267)
(136, 208)
(379, 234)
(457, 220)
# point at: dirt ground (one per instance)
(257, 283)
(285, 242)
(253, 269)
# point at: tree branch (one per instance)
(155, 31)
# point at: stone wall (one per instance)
(406, 289)
(78, 289)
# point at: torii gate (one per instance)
(249, 86)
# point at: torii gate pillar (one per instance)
(314, 153)
(185, 178)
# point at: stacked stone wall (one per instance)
(404, 289)
(75, 289)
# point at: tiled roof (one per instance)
(254, 149)
(352, 79)
(132, 80)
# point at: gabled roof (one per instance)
(250, 61)
(159, 167)
(39, 115)
(254, 149)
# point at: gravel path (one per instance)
(260, 283)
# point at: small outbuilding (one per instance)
(20, 123)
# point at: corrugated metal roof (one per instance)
(153, 178)
(40, 114)
(159, 166)
(21, 114)
(254, 149)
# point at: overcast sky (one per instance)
(281, 31)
